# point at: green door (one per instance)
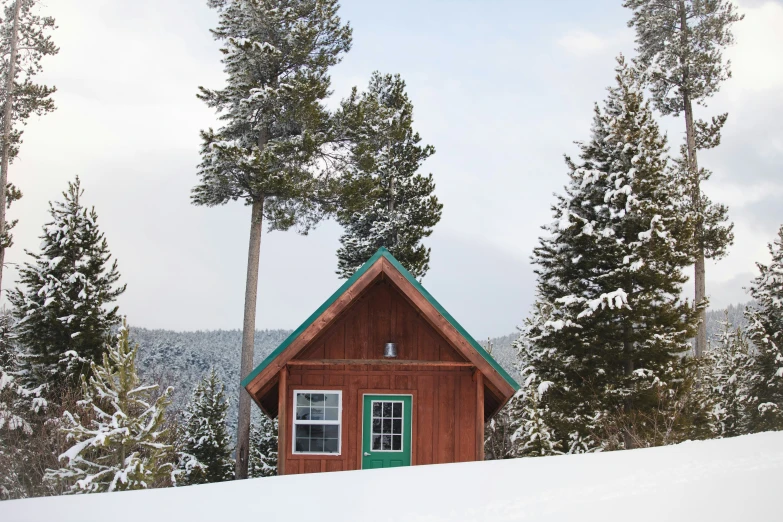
(386, 431)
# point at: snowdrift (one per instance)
(729, 479)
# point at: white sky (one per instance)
(501, 89)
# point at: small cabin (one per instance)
(379, 376)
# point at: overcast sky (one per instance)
(501, 89)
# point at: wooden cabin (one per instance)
(379, 376)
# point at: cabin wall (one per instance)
(445, 399)
(444, 425)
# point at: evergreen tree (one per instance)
(23, 43)
(63, 319)
(276, 147)
(205, 445)
(726, 375)
(534, 437)
(263, 448)
(118, 433)
(680, 44)
(609, 329)
(765, 329)
(386, 202)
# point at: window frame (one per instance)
(402, 425)
(338, 423)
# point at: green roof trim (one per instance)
(382, 252)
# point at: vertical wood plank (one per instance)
(425, 432)
(446, 421)
(282, 415)
(467, 419)
(479, 415)
(293, 467)
(309, 379)
(334, 465)
(311, 466)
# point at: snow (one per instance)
(719, 480)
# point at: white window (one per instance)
(317, 420)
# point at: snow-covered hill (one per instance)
(719, 480)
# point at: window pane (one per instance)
(302, 431)
(376, 442)
(376, 409)
(386, 442)
(330, 413)
(398, 410)
(317, 399)
(397, 442)
(330, 445)
(316, 431)
(376, 425)
(302, 444)
(387, 409)
(397, 426)
(332, 399)
(387, 425)
(331, 432)
(302, 412)
(316, 413)
(316, 445)
(301, 399)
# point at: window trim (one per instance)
(338, 423)
(402, 419)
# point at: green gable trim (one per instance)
(382, 252)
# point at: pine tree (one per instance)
(608, 329)
(765, 329)
(386, 202)
(726, 376)
(23, 43)
(263, 448)
(534, 437)
(276, 146)
(64, 320)
(117, 434)
(205, 445)
(680, 44)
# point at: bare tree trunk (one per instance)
(699, 276)
(7, 115)
(248, 336)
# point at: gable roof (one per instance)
(375, 264)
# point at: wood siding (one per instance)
(447, 418)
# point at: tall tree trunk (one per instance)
(7, 115)
(699, 276)
(248, 336)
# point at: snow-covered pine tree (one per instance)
(765, 329)
(386, 202)
(21, 411)
(609, 328)
(64, 307)
(263, 448)
(205, 445)
(276, 147)
(680, 44)
(534, 437)
(24, 41)
(117, 434)
(726, 376)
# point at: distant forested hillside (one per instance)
(180, 359)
